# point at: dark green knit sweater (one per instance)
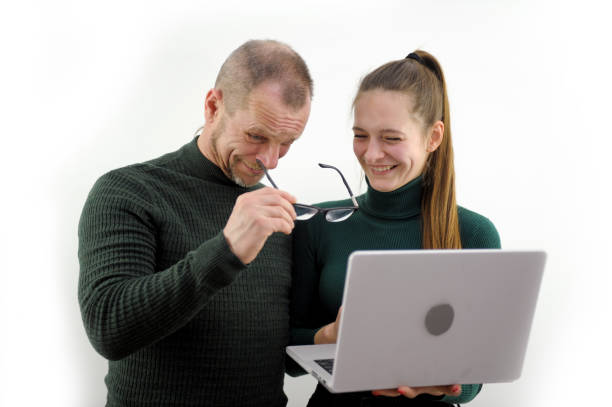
(182, 321)
(385, 220)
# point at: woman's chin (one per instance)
(382, 186)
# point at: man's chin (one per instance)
(242, 177)
(243, 183)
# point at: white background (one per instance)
(89, 86)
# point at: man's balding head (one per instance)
(259, 61)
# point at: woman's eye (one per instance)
(360, 136)
(393, 139)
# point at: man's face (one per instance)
(264, 130)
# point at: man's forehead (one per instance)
(274, 118)
(281, 136)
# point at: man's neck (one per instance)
(204, 143)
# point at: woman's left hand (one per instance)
(412, 392)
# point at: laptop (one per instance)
(429, 317)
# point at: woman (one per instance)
(402, 140)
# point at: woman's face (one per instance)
(390, 142)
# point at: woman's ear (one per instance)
(435, 136)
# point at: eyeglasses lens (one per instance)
(304, 212)
(338, 215)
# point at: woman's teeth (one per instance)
(382, 169)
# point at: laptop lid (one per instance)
(435, 317)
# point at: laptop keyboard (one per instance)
(327, 364)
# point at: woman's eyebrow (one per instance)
(393, 131)
(383, 131)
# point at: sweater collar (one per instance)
(404, 202)
(202, 167)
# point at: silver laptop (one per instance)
(429, 317)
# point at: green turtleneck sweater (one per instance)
(182, 321)
(385, 220)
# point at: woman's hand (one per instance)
(412, 392)
(328, 333)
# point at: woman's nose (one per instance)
(374, 151)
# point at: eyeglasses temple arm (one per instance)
(343, 180)
(263, 167)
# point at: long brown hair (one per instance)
(420, 75)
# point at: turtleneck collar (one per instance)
(202, 167)
(404, 202)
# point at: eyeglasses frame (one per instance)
(316, 208)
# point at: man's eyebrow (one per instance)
(261, 131)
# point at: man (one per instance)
(184, 282)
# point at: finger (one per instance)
(411, 392)
(275, 212)
(269, 204)
(455, 389)
(451, 390)
(271, 197)
(273, 191)
(386, 393)
(281, 225)
(270, 220)
(292, 199)
(407, 391)
(288, 206)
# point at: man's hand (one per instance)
(412, 392)
(256, 215)
(328, 333)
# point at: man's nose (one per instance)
(269, 156)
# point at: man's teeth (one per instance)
(381, 169)
(256, 168)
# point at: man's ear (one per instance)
(435, 137)
(213, 104)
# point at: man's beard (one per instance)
(235, 176)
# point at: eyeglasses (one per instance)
(305, 212)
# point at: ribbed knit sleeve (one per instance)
(126, 303)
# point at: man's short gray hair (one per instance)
(258, 61)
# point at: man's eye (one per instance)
(256, 138)
(393, 139)
(360, 136)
